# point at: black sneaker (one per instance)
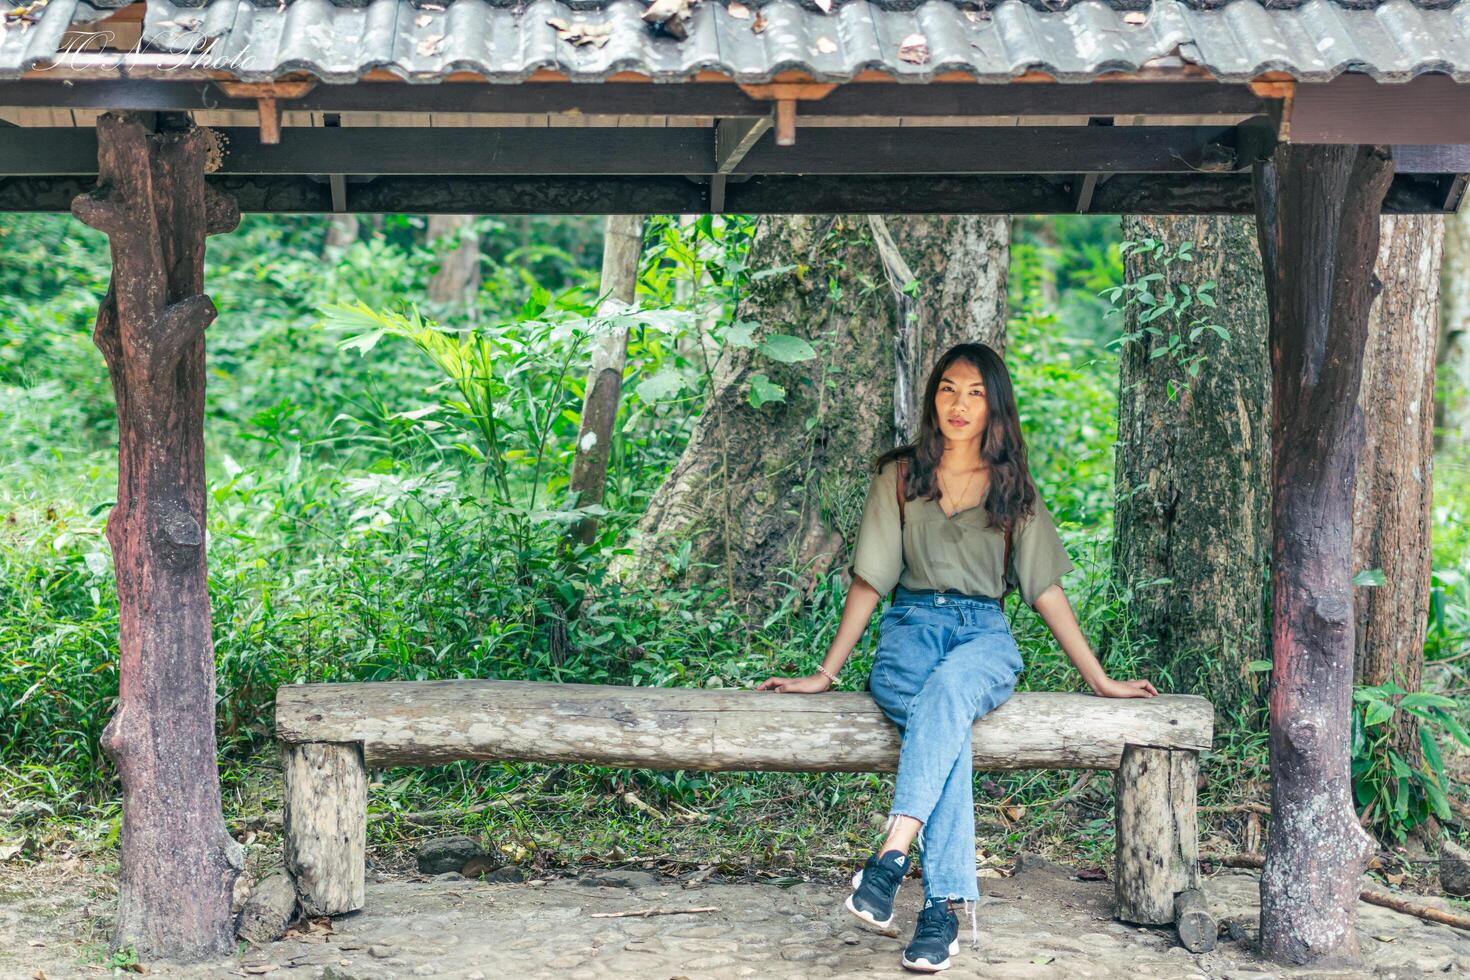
(874, 888)
(936, 938)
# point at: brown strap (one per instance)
(1005, 569)
(898, 488)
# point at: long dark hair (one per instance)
(1012, 494)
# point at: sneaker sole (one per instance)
(880, 925)
(924, 966)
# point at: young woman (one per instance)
(945, 652)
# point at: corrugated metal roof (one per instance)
(1313, 41)
(27, 40)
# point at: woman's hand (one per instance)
(1109, 688)
(812, 684)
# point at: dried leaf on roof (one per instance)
(825, 45)
(824, 5)
(670, 16)
(430, 45)
(1135, 17)
(26, 13)
(914, 49)
(759, 27)
(738, 10)
(581, 33)
(423, 20)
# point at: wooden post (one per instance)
(178, 864)
(326, 824)
(1194, 921)
(1317, 210)
(1157, 844)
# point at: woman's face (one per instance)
(960, 404)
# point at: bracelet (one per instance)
(830, 676)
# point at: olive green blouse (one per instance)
(962, 553)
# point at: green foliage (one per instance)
(1398, 794)
(1171, 317)
(396, 510)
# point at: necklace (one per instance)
(961, 493)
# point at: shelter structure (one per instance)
(158, 122)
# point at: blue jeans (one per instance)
(943, 660)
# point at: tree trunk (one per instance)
(1317, 211)
(1391, 511)
(622, 247)
(458, 279)
(342, 231)
(1452, 406)
(963, 303)
(178, 864)
(1192, 517)
(763, 494)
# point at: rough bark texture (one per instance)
(963, 302)
(1158, 835)
(1391, 511)
(432, 722)
(325, 824)
(178, 864)
(1452, 408)
(768, 496)
(1192, 509)
(1317, 213)
(622, 246)
(458, 278)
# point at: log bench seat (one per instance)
(331, 734)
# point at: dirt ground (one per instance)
(1041, 922)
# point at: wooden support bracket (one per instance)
(733, 140)
(267, 96)
(1277, 85)
(786, 95)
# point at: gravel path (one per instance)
(1038, 923)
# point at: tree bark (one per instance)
(458, 278)
(1317, 211)
(342, 230)
(178, 863)
(1452, 405)
(1192, 515)
(765, 495)
(621, 250)
(963, 303)
(1391, 510)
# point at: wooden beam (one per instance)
(429, 722)
(923, 194)
(701, 100)
(1354, 108)
(681, 150)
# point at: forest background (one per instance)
(392, 427)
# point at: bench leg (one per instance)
(1157, 841)
(326, 824)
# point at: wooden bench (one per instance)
(332, 734)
